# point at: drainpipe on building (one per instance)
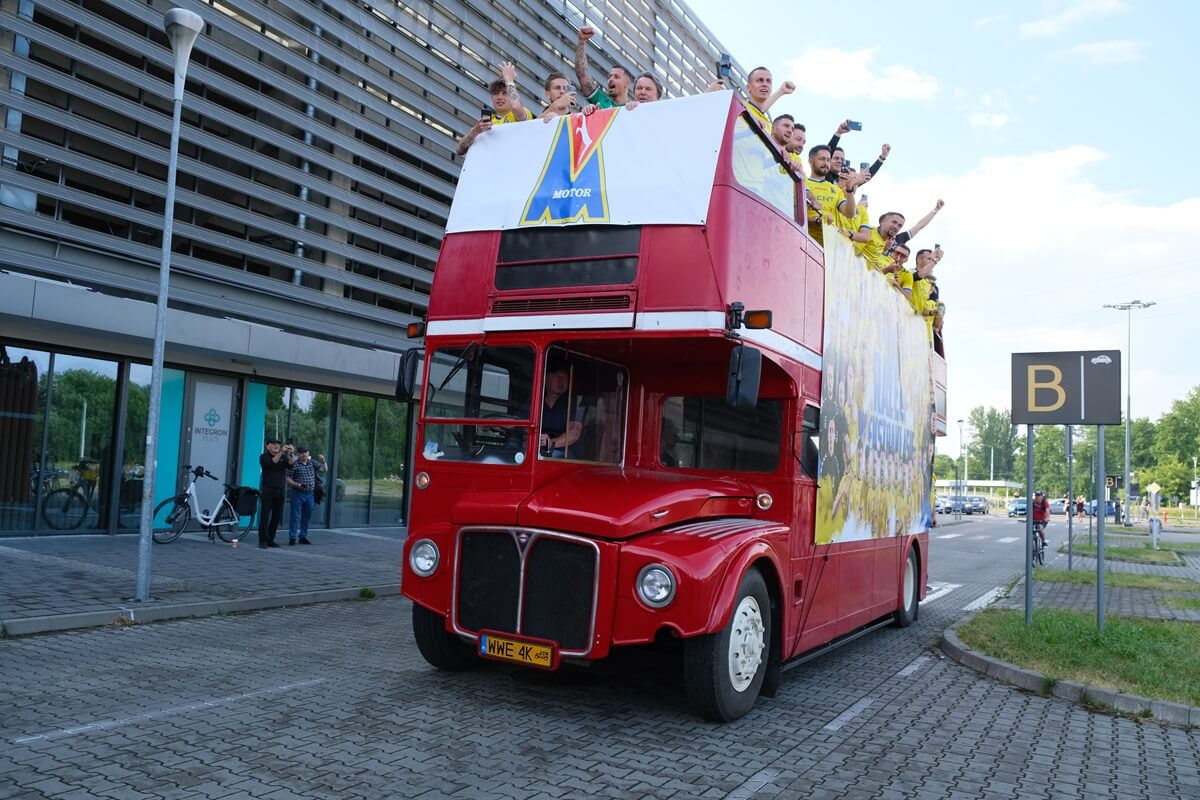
(310, 110)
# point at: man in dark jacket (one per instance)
(274, 463)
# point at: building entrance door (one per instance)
(211, 408)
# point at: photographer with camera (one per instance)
(273, 465)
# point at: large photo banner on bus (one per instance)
(652, 165)
(876, 450)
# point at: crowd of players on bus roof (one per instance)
(831, 183)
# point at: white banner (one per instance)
(212, 410)
(653, 165)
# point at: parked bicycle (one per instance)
(224, 521)
(1039, 542)
(65, 509)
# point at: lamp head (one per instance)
(182, 27)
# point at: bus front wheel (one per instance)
(724, 671)
(442, 649)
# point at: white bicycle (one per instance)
(223, 521)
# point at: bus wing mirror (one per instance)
(745, 371)
(408, 379)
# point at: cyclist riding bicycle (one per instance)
(1041, 514)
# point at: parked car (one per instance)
(1058, 507)
(1090, 508)
(958, 505)
(942, 504)
(1016, 507)
(977, 505)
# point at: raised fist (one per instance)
(788, 87)
(586, 33)
(887, 150)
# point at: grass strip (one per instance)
(1134, 555)
(1125, 580)
(1151, 658)
(1183, 602)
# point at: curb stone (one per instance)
(132, 615)
(1161, 710)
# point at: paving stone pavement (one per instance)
(333, 701)
(1123, 601)
(69, 574)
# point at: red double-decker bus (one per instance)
(652, 407)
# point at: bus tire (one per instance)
(906, 614)
(724, 671)
(442, 649)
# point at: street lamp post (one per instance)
(962, 487)
(1128, 308)
(182, 28)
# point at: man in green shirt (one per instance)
(619, 78)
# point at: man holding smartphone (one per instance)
(506, 107)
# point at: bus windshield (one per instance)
(478, 383)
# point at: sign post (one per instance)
(1070, 498)
(1071, 388)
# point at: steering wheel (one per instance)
(513, 435)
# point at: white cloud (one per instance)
(1119, 51)
(984, 22)
(1076, 12)
(982, 119)
(848, 73)
(1034, 249)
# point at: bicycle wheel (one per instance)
(64, 509)
(226, 523)
(178, 516)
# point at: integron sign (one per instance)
(1073, 388)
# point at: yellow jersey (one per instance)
(872, 251)
(923, 305)
(854, 224)
(799, 159)
(759, 115)
(512, 117)
(830, 197)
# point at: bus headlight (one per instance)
(424, 558)
(656, 585)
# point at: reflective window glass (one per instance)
(356, 439)
(756, 167)
(711, 435)
(23, 380)
(391, 453)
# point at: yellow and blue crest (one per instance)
(571, 186)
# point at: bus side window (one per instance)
(811, 446)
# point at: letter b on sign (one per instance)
(1053, 385)
(1076, 388)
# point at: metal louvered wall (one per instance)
(316, 162)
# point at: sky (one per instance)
(1062, 136)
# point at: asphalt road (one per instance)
(334, 701)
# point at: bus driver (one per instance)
(557, 432)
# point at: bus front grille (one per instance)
(529, 583)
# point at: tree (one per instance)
(1177, 434)
(1141, 445)
(943, 467)
(992, 435)
(1173, 476)
(1049, 460)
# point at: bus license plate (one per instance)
(541, 654)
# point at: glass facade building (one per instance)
(316, 170)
